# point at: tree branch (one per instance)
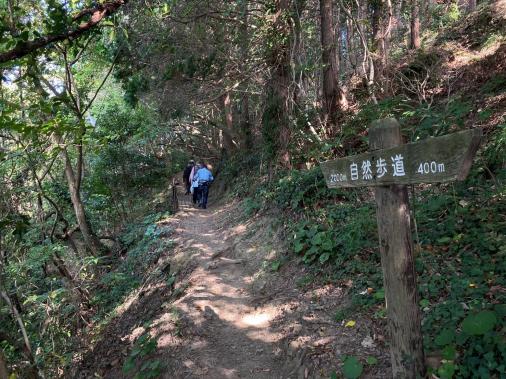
(97, 13)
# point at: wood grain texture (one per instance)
(399, 275)
(434, 160)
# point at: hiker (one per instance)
(204, 177)
(194, 187)
(186, 176)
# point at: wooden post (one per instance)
(396, 248)
(389, 167)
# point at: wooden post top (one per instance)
(384, 133)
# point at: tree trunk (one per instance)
(471, 6)
(4, 374)
(27, 351)
(64, 271)
(382, 16)
(275, 119)
(228, 142)
(91, 241)
(334, 99)
(245, 121)
(377, 47)
(414, 41)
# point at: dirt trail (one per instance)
(225, 335)
(230, 315)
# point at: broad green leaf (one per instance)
(275, 265)
(171, 281)
(129, 365)
(380, 294)
(317, 239)
(324, 257)
(298, 246)
(371, 360)
(352, 368)
(446, 371)
(480, 323)
(449, 352)
(445, 337)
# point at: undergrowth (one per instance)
(144, 246)
(460, 244)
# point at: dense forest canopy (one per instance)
(102, 102)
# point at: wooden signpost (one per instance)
(389, 166)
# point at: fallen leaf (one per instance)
(350, 324)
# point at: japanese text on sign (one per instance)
(433, 160)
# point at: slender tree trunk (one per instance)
(4, 374)
(381, 22)
(91, 241)
(471, 6)
(64, 271)
(414, 41)
(228, 142)
(367, 64)
(245, 121)
(275, 119)
(377, 39)
(32, 372)
(334, 99)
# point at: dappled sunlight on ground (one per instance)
(228, 315)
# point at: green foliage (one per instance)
(145, 247)
(457, 279)
(494, 152)
(437, 120)
(272, 119)
(251, 206)
(137, 360)
(371, 361)
(352, 368)
(347, 232)
(460, 267)
(495, 85)
(443, 15)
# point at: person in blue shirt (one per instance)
(204, 178)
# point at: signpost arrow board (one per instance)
(435, 160)
(389, 166)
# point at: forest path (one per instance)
(221, 333)
(229, 313)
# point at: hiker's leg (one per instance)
(199, 195)
(205, 194)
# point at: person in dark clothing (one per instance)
(186, 176)
(194, 187)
